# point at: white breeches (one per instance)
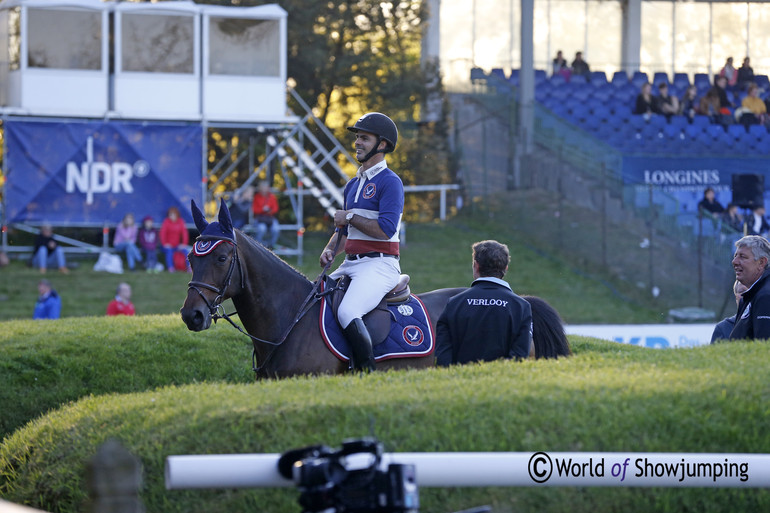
(370, 280)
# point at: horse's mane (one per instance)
(547, 330)
(256, 246)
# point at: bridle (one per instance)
(203, 246)
(215, 306)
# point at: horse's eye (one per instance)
(222, 258)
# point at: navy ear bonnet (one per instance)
(218, 230)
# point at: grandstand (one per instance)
(603, 106)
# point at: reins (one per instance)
(217, 311)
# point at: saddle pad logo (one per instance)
(413, 335)
(369, 190)
(405, 310)
(204, 247)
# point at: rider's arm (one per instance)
(328, 254)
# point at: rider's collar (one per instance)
(372, 171)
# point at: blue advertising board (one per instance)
(93, 173)
(688, 176)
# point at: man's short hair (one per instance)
(492, 258)
(758, 245)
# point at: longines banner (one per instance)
(688, 174)
(93, 173)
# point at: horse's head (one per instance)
(213, 260)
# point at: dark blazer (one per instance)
(485, 322)
(753, 318)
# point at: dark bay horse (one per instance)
(268, 295)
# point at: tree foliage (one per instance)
(348, 57)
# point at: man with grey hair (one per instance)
(750, 262)
(487, 321)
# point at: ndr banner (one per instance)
(94, 173)
(694, 174)
(659, 336)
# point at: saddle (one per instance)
(378, 320)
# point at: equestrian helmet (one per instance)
(380, 125)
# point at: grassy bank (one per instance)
(436, 255)
(44, 364)
(608, 397)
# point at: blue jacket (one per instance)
(48, 307)
(485, 322)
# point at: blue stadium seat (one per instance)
(762, 81)
(701, 121)
(578, 80)
(639, 78)
(477, 74)
(598, 78)
(557, 80)
(681, 80)
(759, 132)
(514, 78)
(737, 131)
(658, 77)
(619, 78)
(701, 81)
(540, 76)
(602, 112)
(679, 121)
(499, 73)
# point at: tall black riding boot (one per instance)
(360, 345)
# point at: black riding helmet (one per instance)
(381, 126)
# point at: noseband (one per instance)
(204, 246)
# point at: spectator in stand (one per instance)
(580, 67)
(488, 321)
(745, 75)
(48, 252)
(560, 66)
(709, 204)
(239, 209)
(125, 240)
(723, 329)
(667, 105)
(48, 305)
(645, 101)
(173, 237)
(710, 106)
(720, 86)
(688, 106)
(265, 208)
(733, 218)
(122, 304)
(756, 224)
(148, 238)
(729, 73)
(755, 110)
(752, 321)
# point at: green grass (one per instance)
(46, 364)
(436, 255)
(608, 397)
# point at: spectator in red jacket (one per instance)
(122, 304)
(265, 208)
(173, 237)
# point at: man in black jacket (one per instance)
(487, 321)
(751, 269)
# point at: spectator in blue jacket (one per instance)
(487, 321)
(48, 305)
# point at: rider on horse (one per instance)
(368, 232)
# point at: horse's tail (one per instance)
(548, 334)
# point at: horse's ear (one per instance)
(198, 217)
(225, 220)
